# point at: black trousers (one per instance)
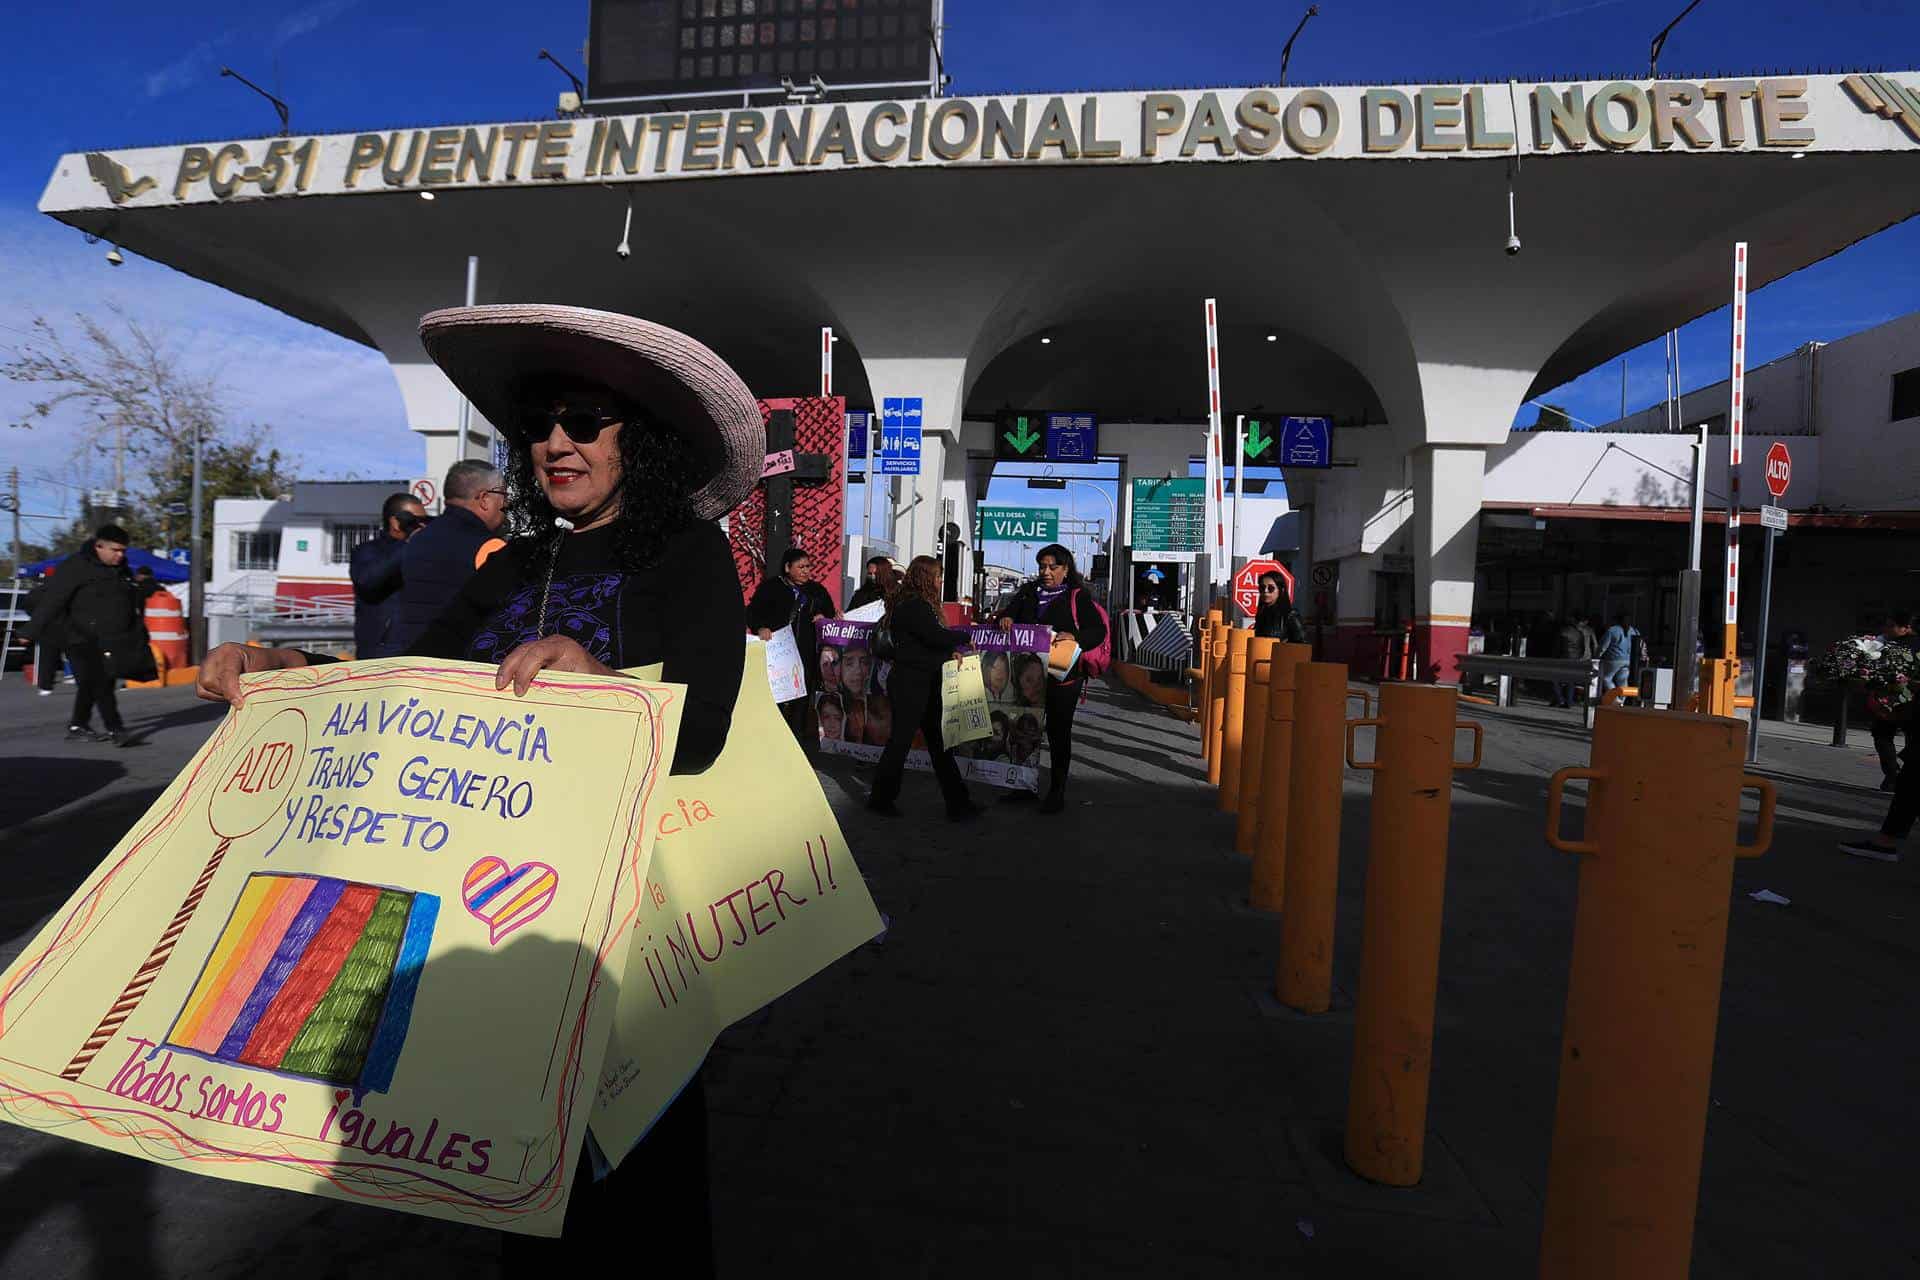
(1063, 697)
(916, 705)
(46, 665)
(1906, 804)
(1884, 732)
(659, 1192)
(92, 686)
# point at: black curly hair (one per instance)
(657, 482)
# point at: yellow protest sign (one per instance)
(752, 891)
(965, 715)
(362, 946)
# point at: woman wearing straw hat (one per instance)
(627, 440)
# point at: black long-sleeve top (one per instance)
(919, 641)
(1087, 629)
(683, 611)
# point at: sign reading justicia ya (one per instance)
(1411, 121)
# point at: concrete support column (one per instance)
(938, 382)
(433, 412)
(1348, 627)
(1447, 485)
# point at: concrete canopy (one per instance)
(942, 239)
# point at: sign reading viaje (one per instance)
(1019, 524)
(1779, 469)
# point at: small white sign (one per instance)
(786, 672)
(1774, 518)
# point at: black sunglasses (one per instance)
(583, 426)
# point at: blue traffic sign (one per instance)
(1306, 442)
(859, 428)
(1072, 437)
(900, 419)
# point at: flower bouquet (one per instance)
(1890, 672)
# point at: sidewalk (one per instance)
(1062, 1060)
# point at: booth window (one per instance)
(345, 537)
(256, 550)
(1906, 395)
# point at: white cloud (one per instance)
(307, 21)
(187, 69)
(330, 404)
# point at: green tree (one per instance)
(1552, 418)
(151, 405)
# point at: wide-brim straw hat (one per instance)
(490, 352)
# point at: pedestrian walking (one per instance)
(1884, 845)
(1576, 641)
(921, 647)
(90, 604)
(1891, 723)
(49, 643)
(1276, 618)
(437, 561)
(795, 600)
(374, 568)
(627, 441)
(1617, 647)
(1058, 598)
(879, 573)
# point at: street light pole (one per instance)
(1113, 532)
(196, 567)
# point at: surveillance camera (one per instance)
(1513, 245)
(113, 257)
(624, 249)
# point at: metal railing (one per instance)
(275, 609)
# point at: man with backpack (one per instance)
(1058, 598)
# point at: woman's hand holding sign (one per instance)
(552, 653)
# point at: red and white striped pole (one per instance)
(1217, 482)
(1736, 417)
(826, 360)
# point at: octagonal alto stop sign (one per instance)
(1246, 583)
(1779, 469)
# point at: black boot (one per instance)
(1056, 800)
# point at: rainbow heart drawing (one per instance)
(504, 898)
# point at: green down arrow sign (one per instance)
(1258, 441)
(1023, 437)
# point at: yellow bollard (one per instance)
(1267, 887)
(1305, 978)
(1400, 935)
(1253, 741)
(1216, 698)
(1643, 992)
(1234, 728)
(1203, 660)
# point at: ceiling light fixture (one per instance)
(1273, 337)
(426, 195)
(1046, 342)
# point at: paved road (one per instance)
(1061, 1062)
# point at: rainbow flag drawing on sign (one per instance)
(314, 977)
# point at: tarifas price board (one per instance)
(1169, 515)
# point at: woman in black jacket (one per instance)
(921, 646)
(794, 600)
(1276, 618)
(1058, 598)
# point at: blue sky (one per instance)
(113, 74)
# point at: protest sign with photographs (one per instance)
(856, 716)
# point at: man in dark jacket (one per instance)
(375, 570)
(90, 603)
(793, 599)
(438, 560)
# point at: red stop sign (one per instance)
(1246, 583)
(1779, 469)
